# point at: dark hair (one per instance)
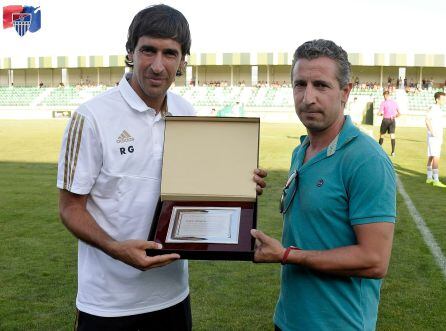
(158, 21)
(386, 93)
(317, 48)
(437, 95)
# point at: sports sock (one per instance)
(381, 141)
(392, 141)
(429, 172)
(435, 173)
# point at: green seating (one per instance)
(215, 97)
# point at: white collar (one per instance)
(131, 97)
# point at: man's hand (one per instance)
(133, 253)
(267, 249)
(81, 223)
(259, 174)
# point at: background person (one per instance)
(389, 111)
(434, 125)
(356, 112)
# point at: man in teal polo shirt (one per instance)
(338, 206)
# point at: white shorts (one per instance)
(434, 146)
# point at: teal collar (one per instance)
(348, 132)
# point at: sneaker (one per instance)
(429, 181)
(437, 183)
(393, 154)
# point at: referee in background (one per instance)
(389, 110)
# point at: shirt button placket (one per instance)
(156, 134)
(151, 124)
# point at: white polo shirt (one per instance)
(435, 115)
(112, 150)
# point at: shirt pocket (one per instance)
(137, 199)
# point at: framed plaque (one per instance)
(208, 202)
(213, 225)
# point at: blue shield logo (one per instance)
(21, 22)
(35, 17)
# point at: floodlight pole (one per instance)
(196, 75)
(10, 77)
(267, 75)
(381, 77)
(421, 77)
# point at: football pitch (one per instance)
(38, 256)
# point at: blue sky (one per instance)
(99, 27)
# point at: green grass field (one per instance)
(38, 255)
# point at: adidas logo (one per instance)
(124, 137)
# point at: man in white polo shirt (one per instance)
(434, 125)
(109, 179)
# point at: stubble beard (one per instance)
(323, 119)
(312, 125)
(315, 127)
(153, 92)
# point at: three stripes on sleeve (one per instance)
(72, 147)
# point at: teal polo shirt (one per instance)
(350, 182)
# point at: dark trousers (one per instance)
(175, 318)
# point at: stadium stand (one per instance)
(70, 96)
(249, 96)
(18, 96)
(414, 102)
(34, 96)
(204, 96)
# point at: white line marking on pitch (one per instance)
(422, 227)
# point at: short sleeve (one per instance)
(80, 158)
(372, 191)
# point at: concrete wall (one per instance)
(242, 74)
(372, 74)
(207, 74)
(277, 73)
(52, 77)
(32, 77)
(46, 77)
(366, 74)
(437, 74)
(115, 75)
(19, 78)
(4, 80)
(107, 76)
